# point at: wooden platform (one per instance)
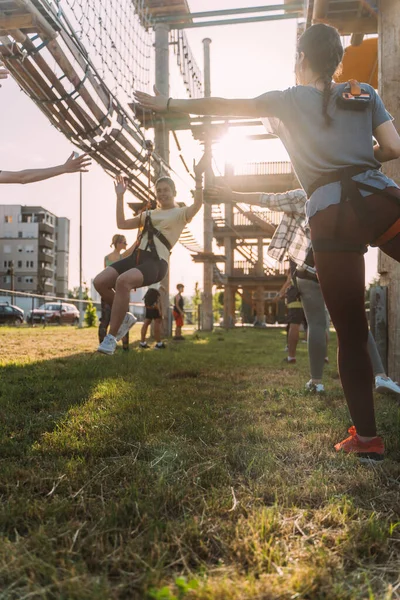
(348, 16)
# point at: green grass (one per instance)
(200, 472)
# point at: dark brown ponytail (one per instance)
(323, 49)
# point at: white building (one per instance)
(34, 250)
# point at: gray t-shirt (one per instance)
(315, 149)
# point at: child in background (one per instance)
(153, 312)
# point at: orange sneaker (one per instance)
(372, 451)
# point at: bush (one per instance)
(90, 315)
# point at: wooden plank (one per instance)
(17, 21)
(47, 31)
(353, 25)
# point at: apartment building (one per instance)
(35, 244)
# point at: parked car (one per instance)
(10, 314)
(54, 312)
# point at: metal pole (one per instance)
(230, 11)
(161, 139)
(207, 312)
(80, 253)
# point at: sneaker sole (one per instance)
(370, 457)
(124, 332)
(382, 389)
(102, 351)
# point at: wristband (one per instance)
(168, 101)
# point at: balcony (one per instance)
(46, 228)
(266, 177)
(45, 242)
(45, 272)
(45, 258)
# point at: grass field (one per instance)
(200, 472)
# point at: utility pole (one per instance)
(12, 284)
(161, 139)
(206, 305)
(80, 253)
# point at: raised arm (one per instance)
(122, 223)
(251, 107)
(198, 169)
(3, 72)
(72, 165)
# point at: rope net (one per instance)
(112, 34)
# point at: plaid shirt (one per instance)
(291, 236)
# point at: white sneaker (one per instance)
(386, 386)
(315, 388)
(127, 323)
(108, 345)
(144, 345)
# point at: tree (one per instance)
(90, 315)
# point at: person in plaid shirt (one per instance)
(292, 239)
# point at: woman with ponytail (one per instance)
(328, 131)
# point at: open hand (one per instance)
(120, 185)
(158, 102)
(4, 73)
(217, 195)
(75, 165)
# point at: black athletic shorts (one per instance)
(295, 316)
(153, 269)
(152, 313)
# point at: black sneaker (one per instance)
(159, 346)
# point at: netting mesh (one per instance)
(112, 33)
(192, 77)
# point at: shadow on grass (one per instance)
(129, 469)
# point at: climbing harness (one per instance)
(148, 226)
(354, 97)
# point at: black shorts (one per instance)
(295, 316)
(153, 269)
(152, 313)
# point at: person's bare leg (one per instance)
(104, 283)
(143, 332)
(157, 330)
(125, 283)
(293, 338)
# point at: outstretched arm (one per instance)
(72, 165)
(122, 223)
(291, 202)
(251, 107)
(4, 73)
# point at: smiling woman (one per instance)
(160, 230)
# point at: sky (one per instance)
(246, 60)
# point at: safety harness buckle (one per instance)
(354, 97)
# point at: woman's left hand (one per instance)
(120, 185)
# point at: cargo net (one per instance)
(113, 34)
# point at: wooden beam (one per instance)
(46, 29)
(349, 26)
(17, 22)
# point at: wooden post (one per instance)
(161, 140)
(378, 320)
(207, 312)
(228, 251)
(389, 88)
(260, 300)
